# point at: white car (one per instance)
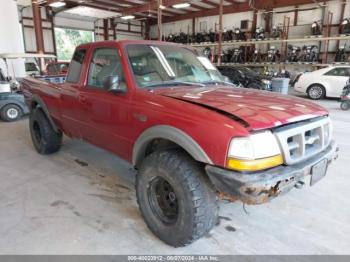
(326, 82)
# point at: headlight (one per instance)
(256, 152)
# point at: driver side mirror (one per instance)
(112, 84)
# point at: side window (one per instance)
(339, 71)
(75, 66)
(105, 62)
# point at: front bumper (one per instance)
(259, 187)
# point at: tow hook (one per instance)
(299, 184)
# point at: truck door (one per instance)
(106, 113)
(72, 117)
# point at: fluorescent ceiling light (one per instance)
(162, 7)
(57, 4)
(127, 17)
(182, 5)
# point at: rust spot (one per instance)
(224, 196)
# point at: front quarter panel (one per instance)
(210, 130)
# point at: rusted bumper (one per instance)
(259, 187)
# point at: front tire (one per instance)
(11, 112)
(176, 200)
(45, 139)
(316, 92)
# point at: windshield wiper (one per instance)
(214, 82)
(176, 83)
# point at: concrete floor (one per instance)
(82, 201)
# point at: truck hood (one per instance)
(253, 109)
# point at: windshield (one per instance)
(167, 65)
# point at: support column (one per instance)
(38, 31)
(113, 25)
(159, 27)
(193, 25)
(296, 13)
(105, 29)
(220, 31)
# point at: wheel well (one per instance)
(20, 107)
(316, 84)
(34, 105)
(157, 144)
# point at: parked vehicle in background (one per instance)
(12, 105)
(259, 33)
(345, 97)
(345, 26)
(340, 54)
(272, 55)
(316, 28)
(56, 68)
(309, 53)
(31, 68)
(190, 136)
(276, 31)
(245, 77)
(293, 53)
(326, 82)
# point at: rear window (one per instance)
(75, 66)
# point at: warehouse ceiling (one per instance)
(147, 9)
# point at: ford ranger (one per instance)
(192, 137)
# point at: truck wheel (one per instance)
(176, 200)
(316, 92)
(11, 113)
(45, 139)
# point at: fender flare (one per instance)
(14, 102)
(172, 134)
(37, 99)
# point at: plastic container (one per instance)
(280, 85)
(5, 87)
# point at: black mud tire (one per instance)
(345, 105)
(10, 113)
(45, 139)
(195, 198)
(316, 92)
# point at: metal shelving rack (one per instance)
(273, 41)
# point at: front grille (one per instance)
(303, 140)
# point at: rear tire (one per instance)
(11, 112)
(176, 200)
(345, 105)
(45, 139)
(316, 92)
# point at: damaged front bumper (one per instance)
(259, 187)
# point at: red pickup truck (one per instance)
(192, 137)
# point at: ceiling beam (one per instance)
(236, 8)
(152, 5)
(118, 2)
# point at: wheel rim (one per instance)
(37, 131)
(315, 92)
(12, 113)
(163, 200)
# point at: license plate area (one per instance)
(318, 171)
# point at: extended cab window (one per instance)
(75, 66)
(339, 71)
(105, 62)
